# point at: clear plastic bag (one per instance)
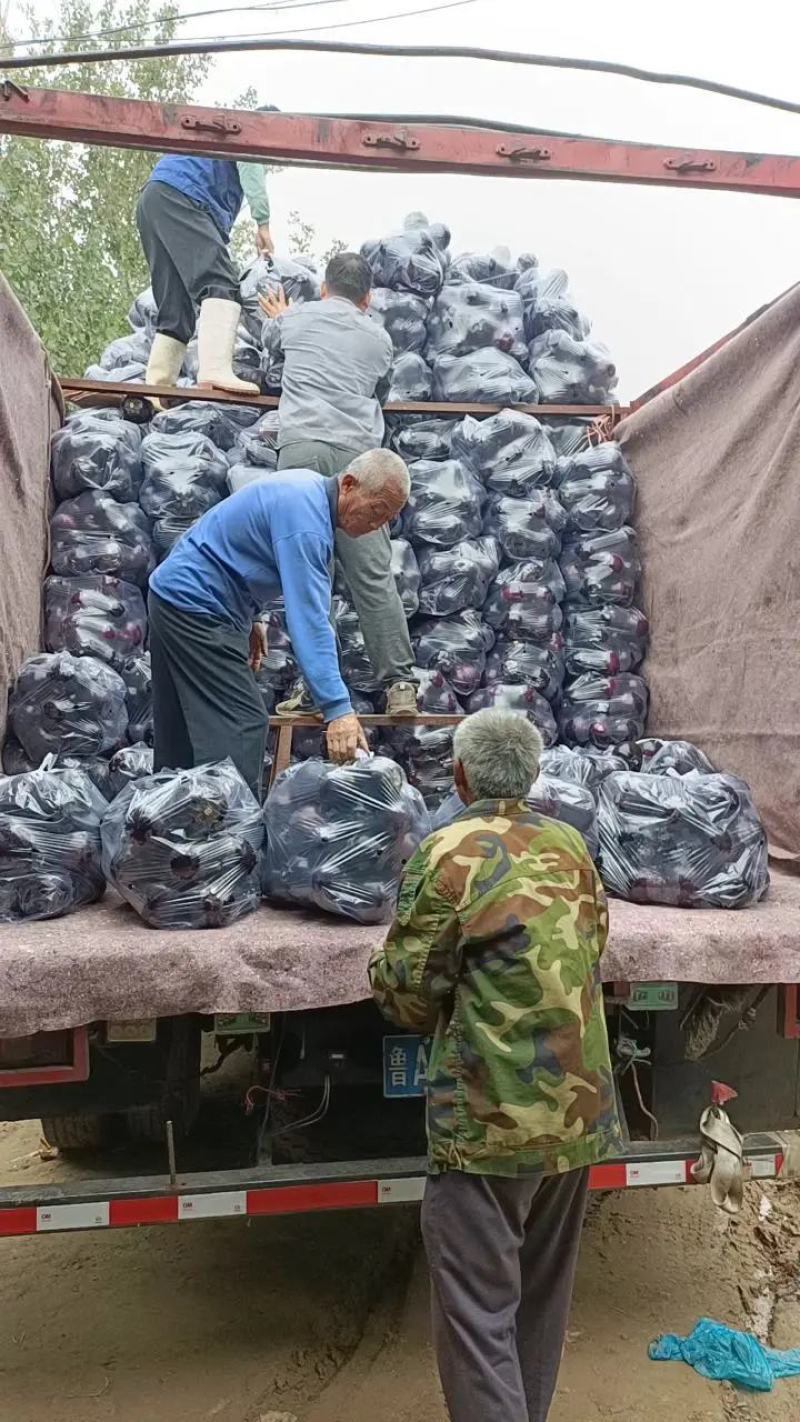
(68, 705)
(184, 476)
(415, 259)
(445, 504)
(143, 312)
(597, 489)
(595, 723)
(416, 437)
(435, 695)
(524, 600)
(272, 358)
(337, 836)
(494, 268)
(184, 847)
(403, 315)
(97, 450)
(569, 802)
(487, 376)
(562, 763)
(405, 571)
(127, 350)
(257, 445)
(458, 577)
(279, 667)
(547, 305)
(606, 639)
(658, 757)
(96, 616)
(411, 379)
(540, 667)
(133, 373)
(601, 567)
(49, 844)
(222, 424)
(128, 764)
(455, 646)
(691, 840)
(265, 277)
(571, 372)
(512, 696)
(355, 664)
(240, 475)
(529, 527)
(624, 694)
(472, 317)
(138, 679)
(510, 452)
(94, 534)
(427, 754)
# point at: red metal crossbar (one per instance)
(385, 145)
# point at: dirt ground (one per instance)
(324, 1319)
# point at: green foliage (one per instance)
(68, 239)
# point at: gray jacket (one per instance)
(336, 359)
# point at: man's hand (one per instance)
(264, 243)
(258, 645)
(344, 737)
(275, 304)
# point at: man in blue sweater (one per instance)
(185, 214)
(275, 536)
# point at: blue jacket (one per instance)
(217, 184)
(274, 536)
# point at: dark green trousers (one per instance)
(206, 702)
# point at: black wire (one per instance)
(189, 15)
(416, 51)
(213, 44)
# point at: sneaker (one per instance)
(401, 699)
(297, 703)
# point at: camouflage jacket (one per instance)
(495, 949)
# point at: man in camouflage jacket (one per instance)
(495, 948)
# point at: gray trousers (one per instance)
(367, 566)
(187, 256)
(206, 702)
(502, 1255)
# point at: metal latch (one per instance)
(401, 139)
(523, 153)
(690, 165)
(9, 90)
(220, 125)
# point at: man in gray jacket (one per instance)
(336, 364)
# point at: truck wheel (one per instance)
(180, 1100)
(70, 1133)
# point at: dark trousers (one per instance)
(367, 567)
(206, 702)
(187, 257)
(502, 1255)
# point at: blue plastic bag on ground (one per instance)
(726, 1355)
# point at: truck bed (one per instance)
(103, 964)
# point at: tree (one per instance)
(68, 239)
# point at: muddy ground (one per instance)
(324, 1319)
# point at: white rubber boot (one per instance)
(216, 335)
(164, 364)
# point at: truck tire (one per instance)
(73, 1133)
(181, 1099)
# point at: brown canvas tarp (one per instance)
(717, 459)
(29, 412)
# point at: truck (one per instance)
(245, 1071)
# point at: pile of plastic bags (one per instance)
(184, 848)
(338, 836)
(49, 844)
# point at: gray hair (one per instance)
(379, 467)
(499, 753)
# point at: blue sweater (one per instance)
(274, 536)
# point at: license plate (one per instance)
(653, 997)
(405, 1065)
(240, 1024)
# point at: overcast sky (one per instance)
(662, 273)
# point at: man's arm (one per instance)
(413, 975)
(306, 584)
(253, 178)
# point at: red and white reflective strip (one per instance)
(307, 1198)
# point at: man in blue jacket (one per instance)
(275, 536)
(185, 214)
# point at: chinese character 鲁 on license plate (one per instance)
(405, 1065)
